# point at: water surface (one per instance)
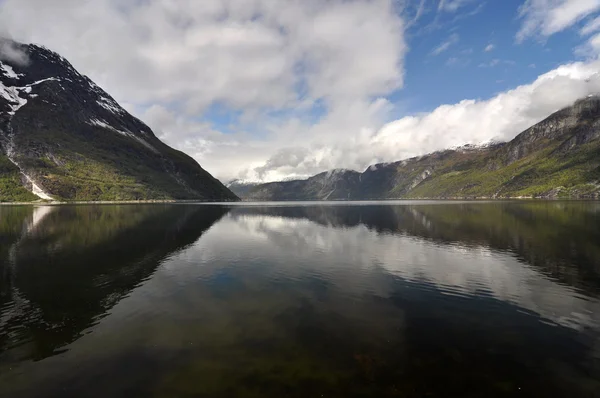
(407, 299)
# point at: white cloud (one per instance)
(499, 118)
(419, 12)
(452, 5)
(10, 52)
(547, 17)
(489, 48)
(446, 44)
(590, 27)
(244, 54)
(171, 61)
(496, 62)
(591, 48)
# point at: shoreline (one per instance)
(104, 202)
(242, 202)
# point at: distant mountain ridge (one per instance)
(63, 137)
(558, 157)
(241, 188)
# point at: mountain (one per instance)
(338, 184)
(558, 157)
(240, 188)
(63, 137)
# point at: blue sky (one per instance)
(459, 72)
(269, 89)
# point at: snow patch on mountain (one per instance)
(11, 94)
(9, 71)
(475, 147)
(49, 79)
(36, 190)
(103, 124)
(125, 133)
(110, 105)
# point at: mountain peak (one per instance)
(64, 137)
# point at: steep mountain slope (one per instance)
(239, 187)
(558, 157)
(336, 184)
(63, 137)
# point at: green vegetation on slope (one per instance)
(539, 174)
(11, 188)
(94, 163)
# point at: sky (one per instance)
(263, 90)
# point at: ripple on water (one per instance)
(486, 299)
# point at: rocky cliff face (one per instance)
(63, 137)
(558, 157)
(572, 126)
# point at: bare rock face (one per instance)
(576, 125)
(66, 138)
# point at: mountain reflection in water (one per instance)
(409, 299)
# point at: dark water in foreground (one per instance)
(406, 300)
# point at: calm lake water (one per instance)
(408, 299)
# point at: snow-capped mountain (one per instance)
(63, 137)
